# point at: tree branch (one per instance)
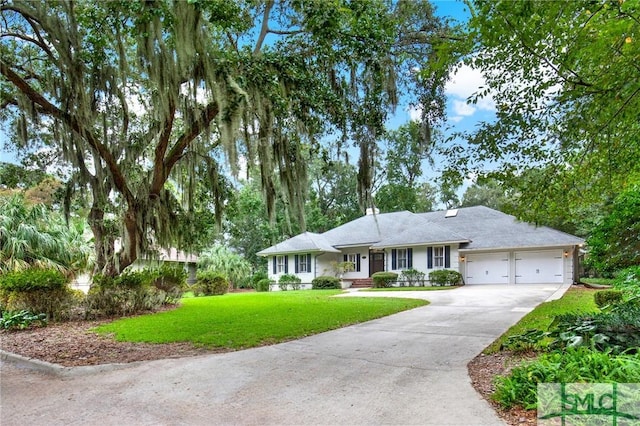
(265, 27)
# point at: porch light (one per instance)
(461, 258)
(566, 253)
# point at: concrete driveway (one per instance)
(408, 368)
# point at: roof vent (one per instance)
(371, 211)
(451, 213)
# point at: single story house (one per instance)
(486, 246)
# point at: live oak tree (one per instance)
(565, 78)
(133, 95)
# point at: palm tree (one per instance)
(225, 261)
(35, 237)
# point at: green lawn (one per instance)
(244, 320)
(575, 300)
(411, 288)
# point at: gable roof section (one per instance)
(491, 229)
(303, 243)
(367, 230)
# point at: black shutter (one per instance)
(447, 256)
(286, 264)
(430, 257)
(295, 263)
(409, 258)
(394, 259)
(358, 262)
(344, 258)
(309, 262)
(275, 265)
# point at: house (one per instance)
(486, 246)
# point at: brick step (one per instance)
(361, 283)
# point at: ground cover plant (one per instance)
(240, 321)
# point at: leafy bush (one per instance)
(384, 279)
(527, 341)
(445, 277)
(21, 319)
(256, 278)
(412, 277)
(36, 290)
(210, 283)
(126, 294)
(287, 280)
(324, 282)
(519, 388)
(263, 284)
(628, 281)
(172, 280)
(607, 297)
(614, 332)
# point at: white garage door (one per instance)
(539, 267)
(487, 268)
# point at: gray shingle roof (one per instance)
(491, 229)
(305, 242)
(475, 228)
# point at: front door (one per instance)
(376, 262)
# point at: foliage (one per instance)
(628, 281)
(132, 101)
(210, 283)
(445, 277)
(325, 282)
(614, 332)
(605, 298)
(20, 320)
(340, 268)
(573, 301)
(240, 321)
(226, 262)
(287, 280)
(614, 243)
(575, 365)
(412, 277)
(263, 284)
(129, 293)
(37, 290)
(485, 192)
(36, 237)
(172, 280)
(256, 278)
(543, 63)
(384, 279)
(15, 176)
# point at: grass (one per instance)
(575, 300)
(599, 281)
(423, 288)
(245, 320)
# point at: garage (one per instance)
(487, 268)
(539, 267)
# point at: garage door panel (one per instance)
(539, 267)
(487, 268)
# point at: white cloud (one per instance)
(463, 84)
(415, 112)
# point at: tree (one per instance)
(132, 94)
(226, 262)
(614, 243)
(406, 150)
(485, 192)
(35, 237)
(566, 81)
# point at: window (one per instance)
(402, 259)
(354, 259)
(438, 257)
(304, 261)
(281, 265)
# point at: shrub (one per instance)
(172, 280)
(445, 277)
(257, 278)
(287, 280)
(263, 284)
(36, 290)
(412, 277)
(210, 283)
(126, 294)
(519, 388)
(324, 282)
(628, 281)
(21, 319)
(384, 279)
(607, 297)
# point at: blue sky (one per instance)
(461, 115)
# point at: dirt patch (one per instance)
(482, 371)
